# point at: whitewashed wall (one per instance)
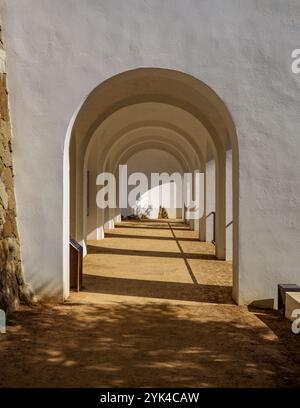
(154, 161)
(210, 198)
(58, 51)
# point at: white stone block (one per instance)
(292, 302)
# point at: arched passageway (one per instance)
(138, 113)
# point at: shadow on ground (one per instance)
(147, 345)
(158, 289)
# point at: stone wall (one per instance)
(12, 286)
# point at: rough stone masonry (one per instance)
(13, 289)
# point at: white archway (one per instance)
(177, 91)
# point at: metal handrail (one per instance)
(213, 213)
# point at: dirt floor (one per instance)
(156, 311)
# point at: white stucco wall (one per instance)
(210, 198)
(58, 51)
(154, 161)
(229, 212)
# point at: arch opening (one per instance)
(153, 109)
